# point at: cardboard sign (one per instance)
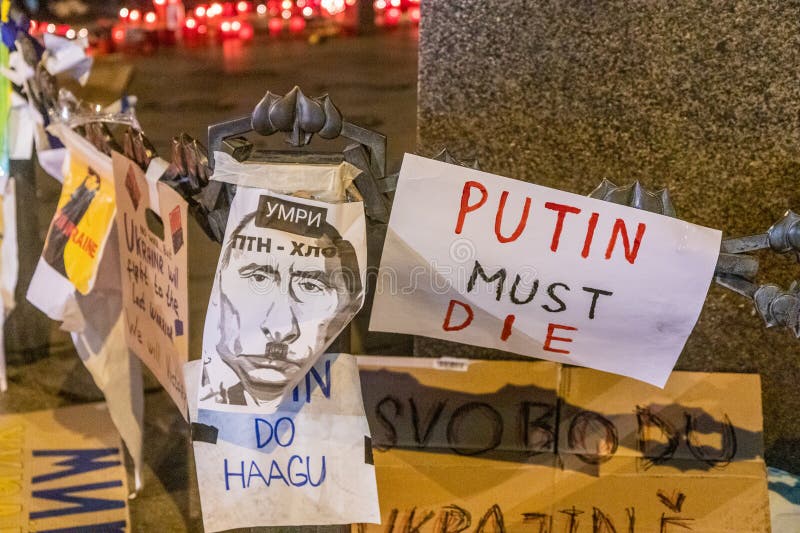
(154, 274)
(484, 260)
(307, 463)
(291, 275)
(62, 470)
(514, 446)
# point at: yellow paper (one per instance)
(81, 224)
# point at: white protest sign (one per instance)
(154, 279)
(307, 463)
(485, 260)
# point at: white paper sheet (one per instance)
(18, 69)
(23, 119)
(9, 263)
(291, 275)
(67, 56)
(485, 260)
(308, 463)
(285, 425)
(52, 162)
(21, 130)
(100, 344)
(118, 374)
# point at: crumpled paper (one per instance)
(67, 56)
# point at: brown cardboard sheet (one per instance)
(518, 446)
(62, 470)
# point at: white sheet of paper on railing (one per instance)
(489, 261)
(307, 463)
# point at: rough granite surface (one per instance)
(702, 98)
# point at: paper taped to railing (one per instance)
(9, 262)
(153, 270)
(291, 275)
(78, 232)
(307, 463)
(485, 260)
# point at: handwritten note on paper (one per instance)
(62, 470)
(516, 446)
(154, 279)
(480, 259)
(307, 463)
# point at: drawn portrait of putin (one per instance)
(284, 295)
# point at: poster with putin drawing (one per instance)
(279, 432)
(290, 277)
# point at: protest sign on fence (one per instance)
(280, 436)
(307, 463)
(78, 232)
(517, 446)
(489, 261)
(151, 224)
(62, 470)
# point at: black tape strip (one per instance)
(204, 433)
(368, 459)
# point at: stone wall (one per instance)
(702, 100)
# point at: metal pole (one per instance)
(366, 17)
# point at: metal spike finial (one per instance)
(635, 195)
(779, 307)
(784, 235)
(297, 115)
(445, 156)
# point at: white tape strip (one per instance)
(154, 172)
